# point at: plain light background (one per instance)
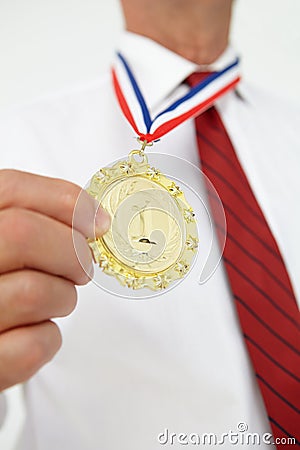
(47, 45)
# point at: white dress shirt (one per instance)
(130, 369)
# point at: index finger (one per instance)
(54, 198)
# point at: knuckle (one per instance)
(30, 292)
(56, 338)
(9, 181)
(17, 225)
(35, 292)
(68, 198)
(70, 301)
(82, 278)
(83, 261)
(34, 358)
(41, 348)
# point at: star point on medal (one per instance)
(182, 267)
(134, 282)
(192, 243)
(174, 189)
(153, 173)
(161, 281)
(103, 175)
(126, 167)
(189, 215)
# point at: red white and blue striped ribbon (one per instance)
(197, 100)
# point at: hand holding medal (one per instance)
(153, 239)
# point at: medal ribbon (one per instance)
(190, 105)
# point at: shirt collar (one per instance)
(158, 70)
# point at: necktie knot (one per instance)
(196, 78)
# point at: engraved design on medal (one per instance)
(153, 239)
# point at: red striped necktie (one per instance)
(260, 284)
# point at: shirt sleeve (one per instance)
(3, 408)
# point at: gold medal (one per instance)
(153, 237)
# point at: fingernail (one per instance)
(102, 221)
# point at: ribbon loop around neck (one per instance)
(197, 100)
